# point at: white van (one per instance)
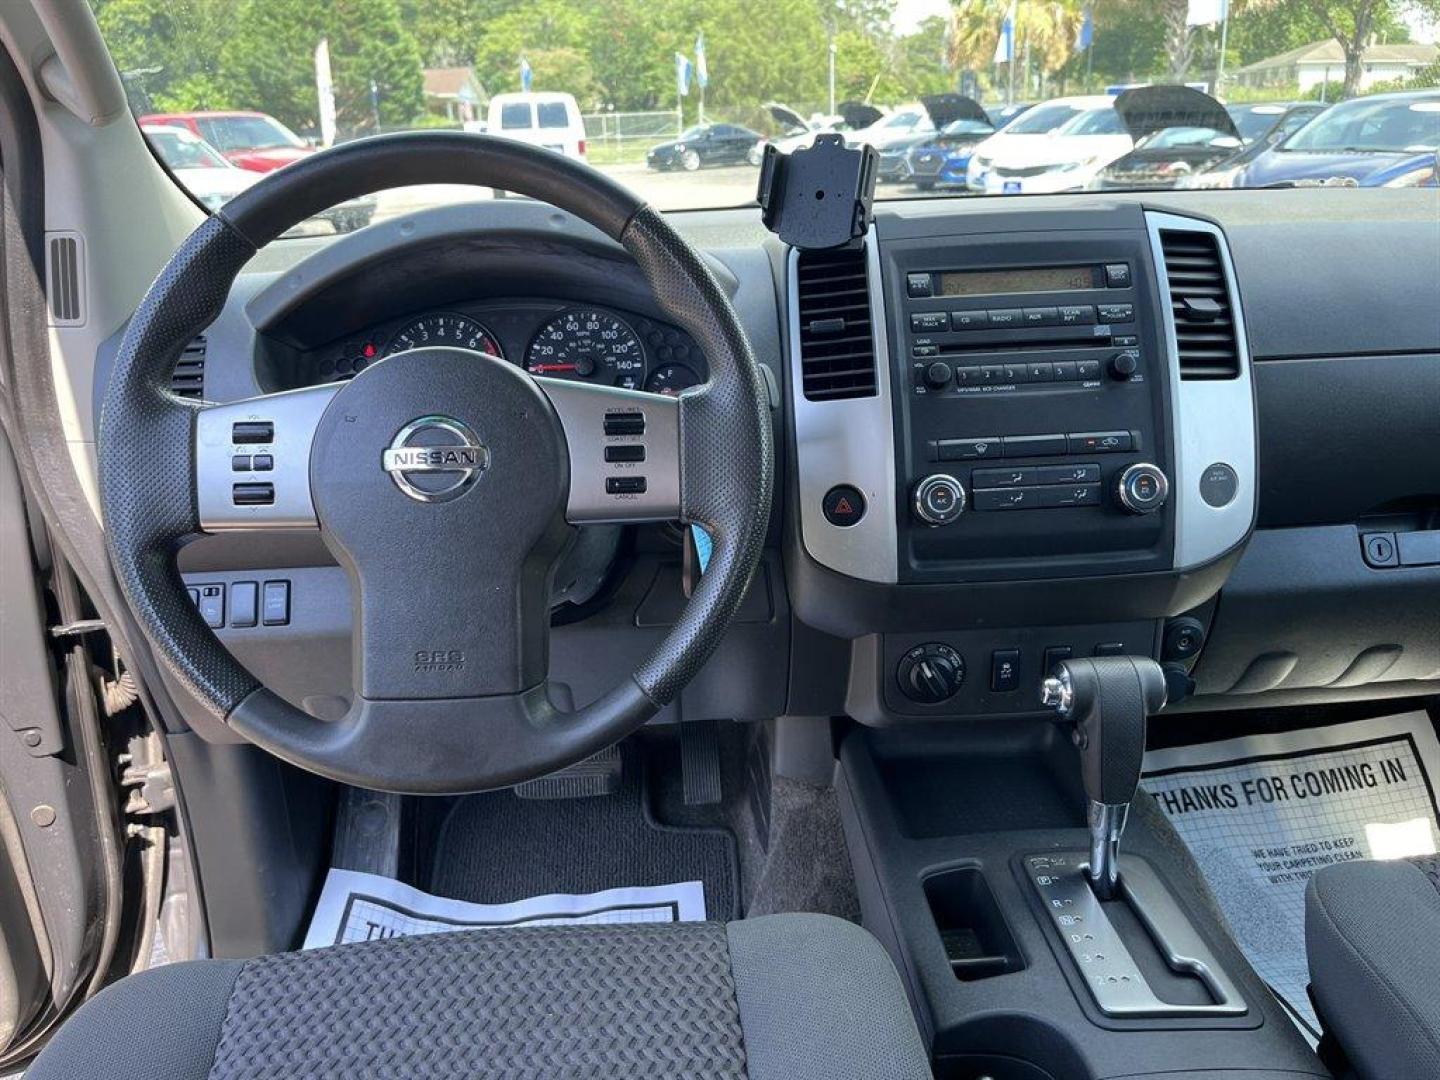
(551, 120)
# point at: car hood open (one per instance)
(786, 117)
(1148, 109)
(947, 108)
(858, 116)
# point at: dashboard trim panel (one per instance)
(1214, 420)
(847, 442)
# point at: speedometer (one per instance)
(590, 345)
(444, 328)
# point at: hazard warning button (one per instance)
(843, 505)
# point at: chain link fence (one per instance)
(625, 136)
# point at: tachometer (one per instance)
(590, 345)
(444, 328)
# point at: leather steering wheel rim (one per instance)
(431, 743)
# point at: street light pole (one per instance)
(831, 32)
(1224, 31)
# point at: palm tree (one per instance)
(1045, 32)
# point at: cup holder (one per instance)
(978, 942)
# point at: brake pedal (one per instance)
(599, 774)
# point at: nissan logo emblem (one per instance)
(435, 459)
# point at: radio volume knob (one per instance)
(1125, 363)
(1142, 488)
(939, 499)
(937, 375)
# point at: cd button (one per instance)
(969, 320)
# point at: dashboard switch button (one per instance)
(625, 452)
(244, 602)
(625, 423)
(253, 431)
(939, 499)
(276, 611)
(843, 506)
(1004, 670)
(253, 494)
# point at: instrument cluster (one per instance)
(583, 342)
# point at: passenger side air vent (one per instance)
(64, 279)
(1203, 307)
(188, 378)
(837, 345)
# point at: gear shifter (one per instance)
(1109, 699)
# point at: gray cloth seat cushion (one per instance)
(1372, 935)
(803, 997)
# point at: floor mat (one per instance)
(1264, 812)
(497, 847)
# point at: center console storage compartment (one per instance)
(939, 823)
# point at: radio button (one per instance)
(1042, 316)
(1065, 371)
(1014, 373)
(1117, 275)
(1076, 315)
(1002, 478)
(1087, 370)
(969, 449)
(969, 320)
(968, 376)
(1004, 316)
(1124, 341)
(1101, 442)
(1034, 445)
(992, 373)
(1117, 313)
(917, 285)
(930, 320)
(1087, 473)
(1041, 372)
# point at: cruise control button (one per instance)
(843, 505)
(969, 449)
(625, 485)
(1101, 442)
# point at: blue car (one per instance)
(1377, 141)
(941, 160)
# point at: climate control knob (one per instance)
(939, 499)
(1142, 488)
(930, 674)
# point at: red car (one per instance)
(258, 142)
(252, 140)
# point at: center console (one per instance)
(1017, 437)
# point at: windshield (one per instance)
(181, 151)
(1393, 125)
(1104, 121)
(246, 133)
(607, 82)
(1042, 119)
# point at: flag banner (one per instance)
(682, 74)
(527, 77)
(325, 89)
(1205, 12)
(1087, 32)
(702, 71)
(1005, 47)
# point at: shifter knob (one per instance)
(1109, 698)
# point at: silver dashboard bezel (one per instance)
(849, 441)
(1213, 419)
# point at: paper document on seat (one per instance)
(1262, 813)
(366, 907)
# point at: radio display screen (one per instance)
(1026, 280)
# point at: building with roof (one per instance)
(1324, 61)
(455, 93)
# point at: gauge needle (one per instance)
(539, 368)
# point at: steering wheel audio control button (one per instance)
(939, 499)
(253, 431)
(843, 506)
(253, 494)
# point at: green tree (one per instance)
(1354, 24)
(268, 60)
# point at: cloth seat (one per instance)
(1372, 935)
(803, 997)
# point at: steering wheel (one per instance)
(445, 482)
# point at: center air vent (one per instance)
(1203, 307)
(188, 378)
(837, 349)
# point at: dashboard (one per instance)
(589, 343)
(1038, 428)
